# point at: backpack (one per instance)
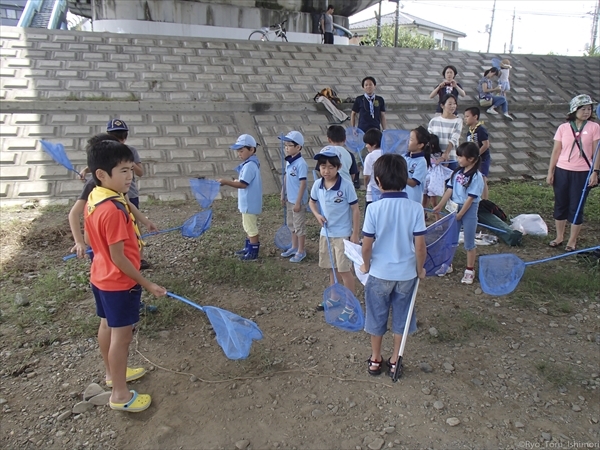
(491, 207)
(329, 94)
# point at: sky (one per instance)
(563, 27)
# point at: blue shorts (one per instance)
(486, 161)
(135, 202)
(383, 295)
(568, 187)
(469, 225)
(119, 308)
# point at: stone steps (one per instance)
(186, 100)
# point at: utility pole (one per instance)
(512, 32)
(397, 20)
(491, 26)
(595, 27)
(378, 17)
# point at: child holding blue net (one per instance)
(394, 253)
(463, 193)
(334, 203)
(249, 186)
(294, 192)
(418, 160)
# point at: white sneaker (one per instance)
(468, 277)
(507, 115)
(491, 111)
(444, 270)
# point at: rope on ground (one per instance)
(309, 371)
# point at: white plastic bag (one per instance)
(530, 224)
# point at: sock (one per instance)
(471, 268)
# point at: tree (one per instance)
(406, 38)
(593, 51)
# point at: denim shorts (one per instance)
(469, 225)
(383, 295)
(119, 308)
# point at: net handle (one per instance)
(282, 151)
(335, 281)
(185, 300)
(408, 318)
(478, 223)
(531, 263)
(587, 180)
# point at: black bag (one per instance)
(491, 207)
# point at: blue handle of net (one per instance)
(73, 255)
(531, 263)
(587, 180)
(330, 253)
(478, 223)
(185, 300)
(282, 151)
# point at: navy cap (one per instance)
(116, 125)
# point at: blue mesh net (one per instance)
(234, 333)
(342, 308)
(441, 239)
(354, 139)
(205, 191)
(395, 141)
(197, 224)
(500, 274)
(57, 151)
(283, 238)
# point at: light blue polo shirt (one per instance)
(296, 170)
(394, 221)
(460, 191)
(250, 199)
(335, 205)
(417, 170)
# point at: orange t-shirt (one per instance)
(106, 226)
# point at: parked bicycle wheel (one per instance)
(258, 36)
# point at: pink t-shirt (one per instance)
(570, 157)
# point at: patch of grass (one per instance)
(557, 375)
(264, 275)
(459, 326)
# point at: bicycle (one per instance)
(263, 33)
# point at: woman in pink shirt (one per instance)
(572, 157)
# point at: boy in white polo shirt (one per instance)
(394, 252)
(334, 203)
(249, 186)
(294, 192)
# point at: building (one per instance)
(445, 37)
(10, 12)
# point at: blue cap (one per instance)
(293, 136)
(245, 140)
(116, 125)
(328, 151)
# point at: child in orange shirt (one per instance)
(111, 230)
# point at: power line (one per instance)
(531, 13)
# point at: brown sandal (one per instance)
(378, 364)
(554, 244)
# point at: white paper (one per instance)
(354, 253)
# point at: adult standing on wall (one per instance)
(570, 165)
(327, 25)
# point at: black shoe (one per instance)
(144, 264)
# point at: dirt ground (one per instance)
(520, 371)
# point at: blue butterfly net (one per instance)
(395, 141)
(197, 224)
(204, 191)
(441, 239)
(57, 151)
(354, 139)
(500, 274)
(342, 308)
(234, 333)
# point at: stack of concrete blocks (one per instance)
(186, 100)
